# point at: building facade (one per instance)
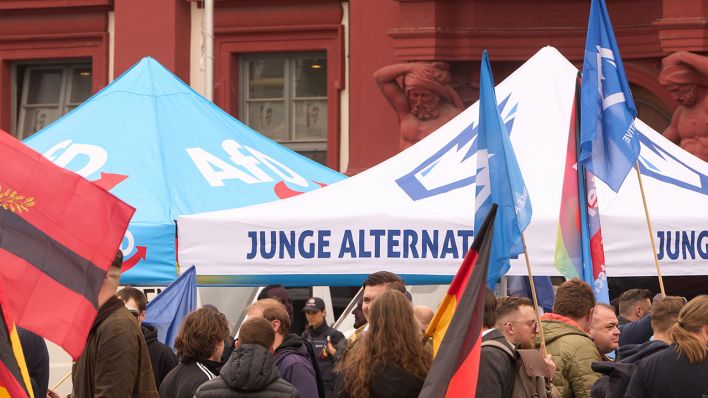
(300, 71)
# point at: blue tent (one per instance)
(166, 150)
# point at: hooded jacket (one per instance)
(249, 372)
(632, 353)
(162, 357)
(616, 375)
(573, 353)
(295, 366)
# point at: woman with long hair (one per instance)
(390, 360)
(682, 369)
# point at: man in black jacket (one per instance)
(162, 357)
(250, 371)
(325, 340)
(199, 345)
(635, 316)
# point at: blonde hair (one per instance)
(273, 310)
(691, 319)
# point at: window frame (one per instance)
(289, 96)
(20, 107)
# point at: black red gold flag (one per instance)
(457, 325)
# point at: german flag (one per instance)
(457, 333)
(14, 377)
(59, 234)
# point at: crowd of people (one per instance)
(646, 347)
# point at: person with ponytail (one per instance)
(682, 369)
(390, 360)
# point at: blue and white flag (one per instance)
(166, 311)
(499, 181)
(609, 142)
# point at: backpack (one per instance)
(614, 380)
(531, 379)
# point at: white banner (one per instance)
(413, 214)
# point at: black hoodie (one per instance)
(162, 357)
(249, 372)
(616, 375)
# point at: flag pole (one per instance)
(651, 231)
(533, 295)
(63, 379)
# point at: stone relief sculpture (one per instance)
(685, 76)
(423, 102)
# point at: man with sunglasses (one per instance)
(515, 328)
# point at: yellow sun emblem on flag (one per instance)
(14, 202)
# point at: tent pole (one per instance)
(533, 295)
(208, 24)
(651, 231)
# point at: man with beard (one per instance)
(685, 76)
(515, 328)
(116, 361)
(426, 100)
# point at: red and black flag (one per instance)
(59, 233)
(14, 377)
(457, 325)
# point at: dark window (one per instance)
(45, 92)
(284, 97)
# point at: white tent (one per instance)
(413, 214)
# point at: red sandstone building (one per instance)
(300, 71)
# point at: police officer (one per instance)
(324, 339)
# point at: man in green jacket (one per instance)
(115, 362)
(567, 340)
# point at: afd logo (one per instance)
(454, 165)
(656, 162)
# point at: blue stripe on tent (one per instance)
(295, 280)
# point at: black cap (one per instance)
(314, 304)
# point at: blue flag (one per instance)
(609, 142)
(166, 311)
(519, 286)
(498, 181)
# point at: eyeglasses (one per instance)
(532, 324)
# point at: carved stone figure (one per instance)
(685, 76)
(424, 101)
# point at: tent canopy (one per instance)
(166, 150)
(413, 214)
